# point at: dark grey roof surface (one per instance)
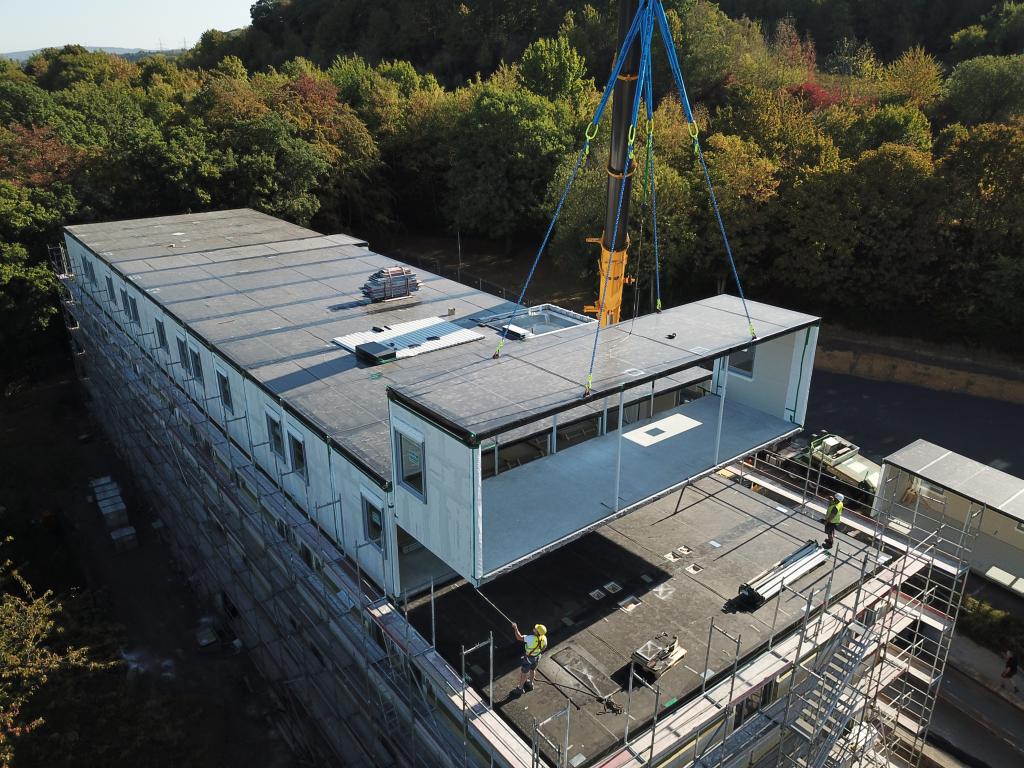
(547, 375)
(962, 476)
(730, 531)
(270, 296)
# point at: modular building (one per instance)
(344, 463)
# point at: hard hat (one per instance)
(840, 497)
(540, 629)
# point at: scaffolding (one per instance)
(352, 680)
(852, 684)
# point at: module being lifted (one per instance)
(504, 460)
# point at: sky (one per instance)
(149, 24)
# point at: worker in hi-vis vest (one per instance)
(833, 517)
(533, 646)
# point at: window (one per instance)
(274, 436)
(410, 464)
(124, 301)
(133, 310)
(183, 357)
(90, 270)
(224, 387)
(110, 290)
(197, 364)
(742, 362)
(373, 519)
(932, 494)
(297, 454)
(161, 334)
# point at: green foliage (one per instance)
(990, 627)
(510, 141)
(553, 69)
(28, 630)
(1001, 32)
(986, 89)
(915, 78)
(889, 27)
(856, 129)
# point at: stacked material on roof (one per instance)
(391, 283)
(790, 568)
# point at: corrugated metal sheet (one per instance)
(412, 338)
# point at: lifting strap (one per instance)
(673, 60)
(591, 132)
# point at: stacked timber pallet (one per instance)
(107, 495)
(391, 283)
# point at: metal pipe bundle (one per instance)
(788, 570)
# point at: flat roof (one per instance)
(961, 475)
(270, 296)
(732, 535)
(546, 376)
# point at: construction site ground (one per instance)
(732, 533)
(51, 449)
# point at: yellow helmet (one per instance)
(540, 630)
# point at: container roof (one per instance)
(546, 376)
(961, 475)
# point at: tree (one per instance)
(986, 89)
(843, 228)
(28, 629)
(510, 143)
(915, 78)
(857, 129)
(982, 221)
(553, 69)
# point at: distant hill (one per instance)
(132, 54)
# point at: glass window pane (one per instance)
(373, 519)
(183, 357)
(742, 362)
(197, 365)
(298, 455)
(225, 392)
(411, 460)
(275, 436)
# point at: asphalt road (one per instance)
(882, 417)
(977, 727)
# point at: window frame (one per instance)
(133, 310)
(368, 501)
(406, 435)
(740, 370)
(227, 398)
(161, 334)
(301, 467)
(275, 420)
(183, 356)
(196, 364)
(111, 298)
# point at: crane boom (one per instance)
(612, 265)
